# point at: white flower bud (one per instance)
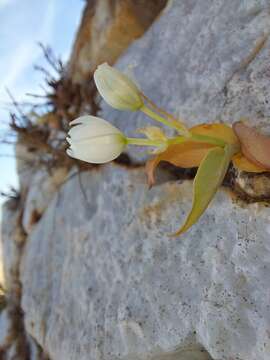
(94, 140)
(117, 89)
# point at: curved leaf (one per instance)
(186, 155)
(190, 153)
(207, 180)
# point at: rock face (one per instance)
(96, 274)
(106, 30)
(203, 61)
(42, 188)
(102, 279)
(14, 342)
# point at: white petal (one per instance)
(91, 128)
(94, 140)
(70, 152)
(82, 119)
(99, 150)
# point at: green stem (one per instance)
(208, 140)
(143, 142)
(157, 117)
(177, 140)
(193, 137)
(175, 123)
(197, 138)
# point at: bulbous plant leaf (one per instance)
(190, 153)
(186, 155)
(242, 163)
(209, 177)
(254, 146)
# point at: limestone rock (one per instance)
(107, 29)
(25, 159)
(13, 344)
(12, 239)
(103, 280)
(41, 190)
(203, 61)
(255, 186)
(5, 330)
(2, 278)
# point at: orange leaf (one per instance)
(255, 146)
(219, 131)
(186, 155)
(242, 163)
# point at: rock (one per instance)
(35, 350)
(2, 278)
(14, 343)
(12, 239)
(106, 30)
(26, 158)
(6, 335)
(255, 186)
(41, 190)
(103, 280)
(203, 61)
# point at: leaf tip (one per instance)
(180, 231)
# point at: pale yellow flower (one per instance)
(117, 89)
(94, 140)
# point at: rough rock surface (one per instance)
(12, 240)
(25, 158)
(106, 30)
(42, 188)
(203, 61)
(14, 342)
(5, 330)
(102, 279)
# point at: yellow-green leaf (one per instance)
(209, 177)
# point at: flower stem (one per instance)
(197, 138)
(157, 117)
(175, 123)
(207, 139)
(143, 142)
(177, 140)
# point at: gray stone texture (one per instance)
(103, 280)
(42, 187)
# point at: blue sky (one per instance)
(24, 23)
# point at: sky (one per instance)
(23, 24)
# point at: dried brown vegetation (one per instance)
(41, 124)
